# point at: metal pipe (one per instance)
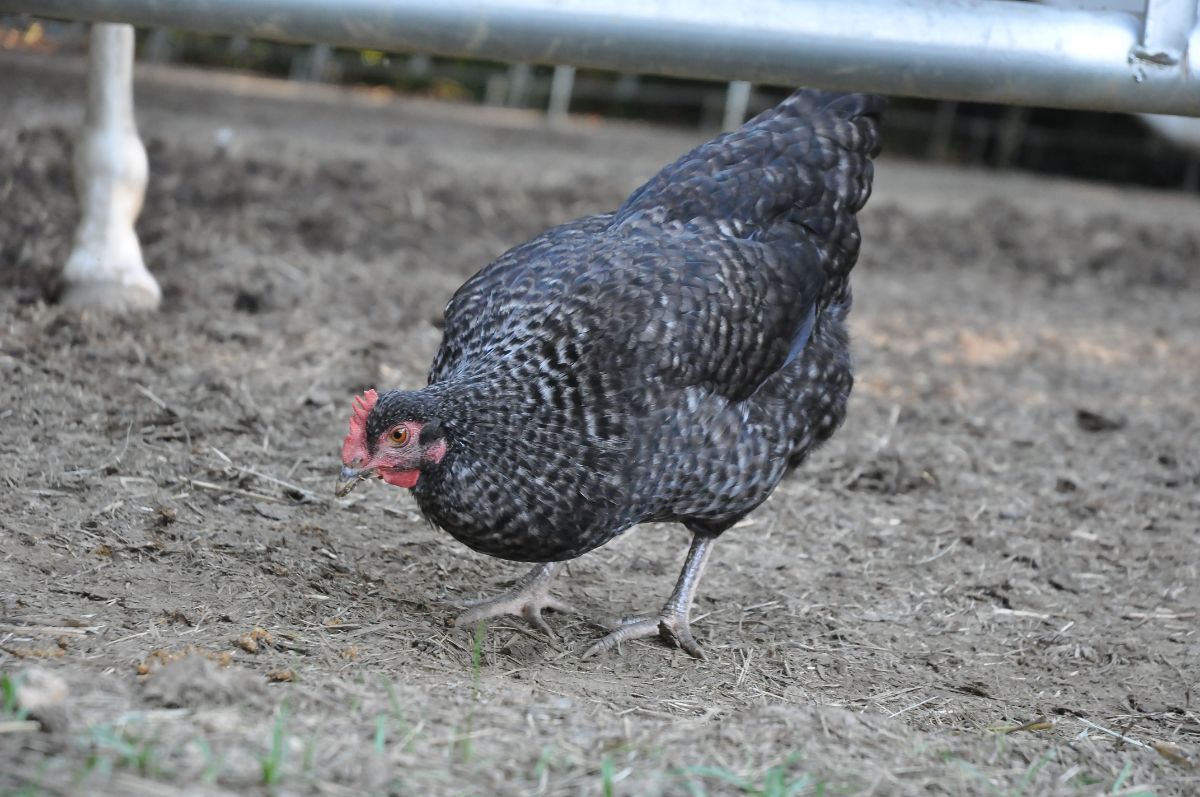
(737, 100)
(981, 50)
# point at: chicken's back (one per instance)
(790, 181)
(796, 173)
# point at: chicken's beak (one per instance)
(349, 478)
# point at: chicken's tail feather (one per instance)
(797, 172)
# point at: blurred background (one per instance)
(1115, 148)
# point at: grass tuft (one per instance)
(381, 722)
(606, 777)
(272, 763)
(476, 674)
(212, 762)
(777, 781)
(9, 710)
(130, 751)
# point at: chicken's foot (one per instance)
(527, 599)
(672, 623)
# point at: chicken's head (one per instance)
(390, 437)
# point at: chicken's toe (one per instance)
(527, 599)
(627, 629)
(673, 628)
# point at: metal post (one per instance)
(158, 48)
(737, 100)
(626, 87)
(496, 89)
(318, 62)
(1010, 134)
(941, 131)
(418, 66)
(560, 93)
(519, 78)
(1165, 30)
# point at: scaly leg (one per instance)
(672, 622)
(529, 596)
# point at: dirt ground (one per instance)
(986, 584)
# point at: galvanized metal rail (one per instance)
(980, 50)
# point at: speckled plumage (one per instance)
(669, 361)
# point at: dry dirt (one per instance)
(993, 562)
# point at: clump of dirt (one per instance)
(197, 681)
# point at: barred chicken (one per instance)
(669, 361)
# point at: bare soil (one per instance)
(992, 563)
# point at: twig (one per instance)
(19, 726)
(748, 655)
(308, 494)
(939, 554)
(151, 716)
(884, 439)
(50, 630)
(1158, 614)
(216, 488)
(1120, 736)
(1020, 613)
(148, 393)
(914, 705)
(412, 734)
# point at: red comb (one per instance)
(354, 447)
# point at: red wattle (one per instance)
(400, 478)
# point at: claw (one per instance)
(681, 635)
(533, 616)
(528, 609)
(672, 623)
(528, 598)
(670, 628)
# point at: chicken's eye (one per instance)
(399, 436)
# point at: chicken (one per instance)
(669, 361)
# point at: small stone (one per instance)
(42, 695)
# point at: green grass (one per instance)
(28, 790)
(476, 674)
(606, 777)
(272, 762)
(1046, 758)
(381, 723)
(1121, 778)
(212, 762)
(399, 718)
(127, 750)
(9, 710)
(776, 781)
(1082, 780)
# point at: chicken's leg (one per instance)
(529, 596)
(672, 622)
